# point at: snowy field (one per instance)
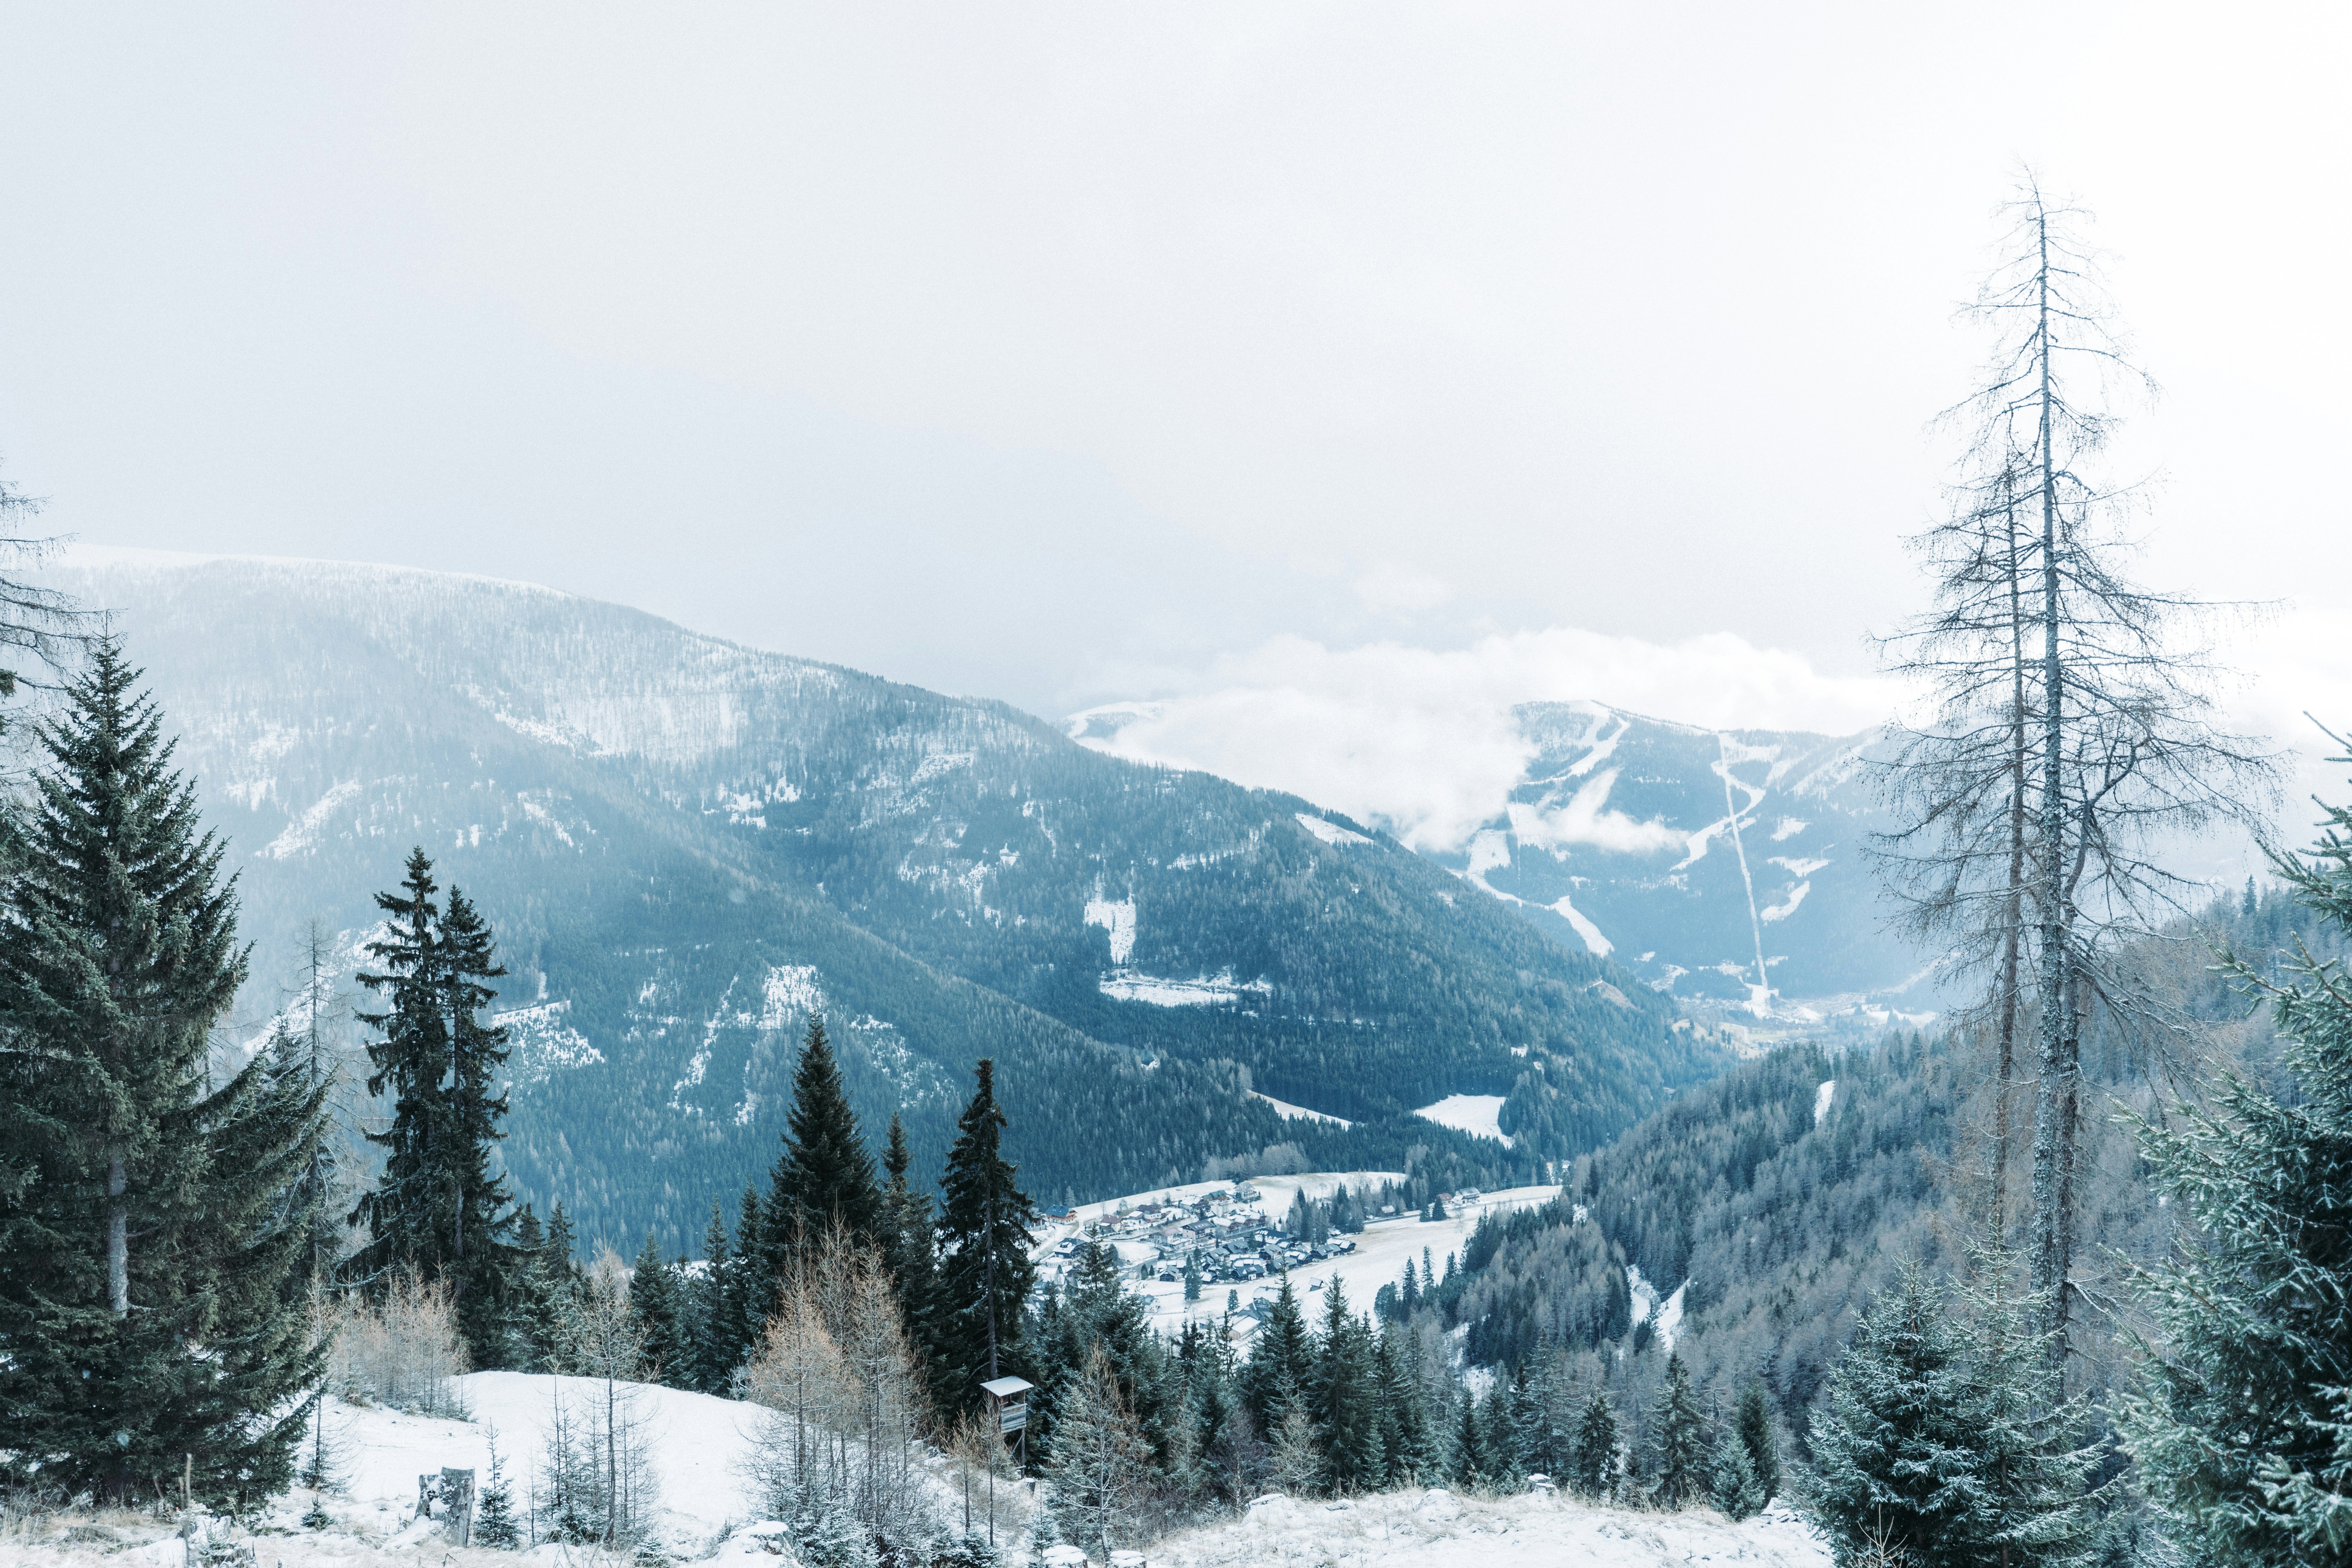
(1378, 1258)
(707, 1514)
(1437, 1530)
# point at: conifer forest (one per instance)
(679, 1103)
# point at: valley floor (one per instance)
(699, 1444)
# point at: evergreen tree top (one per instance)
(825, 1175)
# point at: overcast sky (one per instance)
(1065, 353)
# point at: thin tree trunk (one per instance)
(2049, 1263)
(2010, 1001)
(118, 1236)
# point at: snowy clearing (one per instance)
(1477, 1114)
(1436, 1529)
(1290, 1112)
(1329, 831)
(1204, 991)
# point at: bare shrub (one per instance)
(401, 1350)
(597, 1477)
(839, 1377)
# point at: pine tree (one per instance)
(1344, 1399)
(143, 1305)
(1594, 1469)
(437, 1207)
(1732, 1486)
(2242, 1433)
(713, 1364)
(824, 1176)
(910, 1250)
(654, 1301)
(494, 1518)
(1281, 1358)
(1755, 1428)
(1946, 1436)
(546, 1282)
(1192, 1276)
(750, 1291)
(985, 1274)
(1474, 1465)
(1680, 1441)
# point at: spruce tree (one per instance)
(824, 1176)
(654, 1301)
(910, 1251)
(438, 1207)
(145, 1213)
(494, 1517)
(1281, 1358)
(1754, 1425)
(2241, 1432)
(750, 1290)
(1344, 1399)
(1733, 1487)
(985, 1273)
(1681, 1440)
(1946, 1433)
(712, 1359)
(1593, 1471)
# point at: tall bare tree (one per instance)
(2071, 727)
(36, 623)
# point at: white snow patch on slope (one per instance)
(1665, 1318)
(1788, 827)
(1796, 867)
(1290, 1112)
(1821, 1098)
(543, 1042)
(1787, 906)
(1477, 1114)
(1670, 1318)
(1329, 831)
(303, 832)
(790, 989)
(1126, 985)
(1116, 917)
(1598, 945)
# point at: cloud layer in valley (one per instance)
(1421, 740)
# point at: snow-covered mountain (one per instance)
(1723, 863)
(686, 847)
(1720, 864)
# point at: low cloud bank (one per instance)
(1421, 740)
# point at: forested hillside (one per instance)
(686, 848)
(1765, 1210)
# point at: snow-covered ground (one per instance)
(1437, 1530)
(1479, 1115)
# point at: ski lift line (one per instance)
(1755, 925)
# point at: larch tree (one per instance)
(2070, 713)
(143, 1225)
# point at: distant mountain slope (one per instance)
(687, 846)
(1716, 863)
(1709, 862)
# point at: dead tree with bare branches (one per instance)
(2070, 728)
